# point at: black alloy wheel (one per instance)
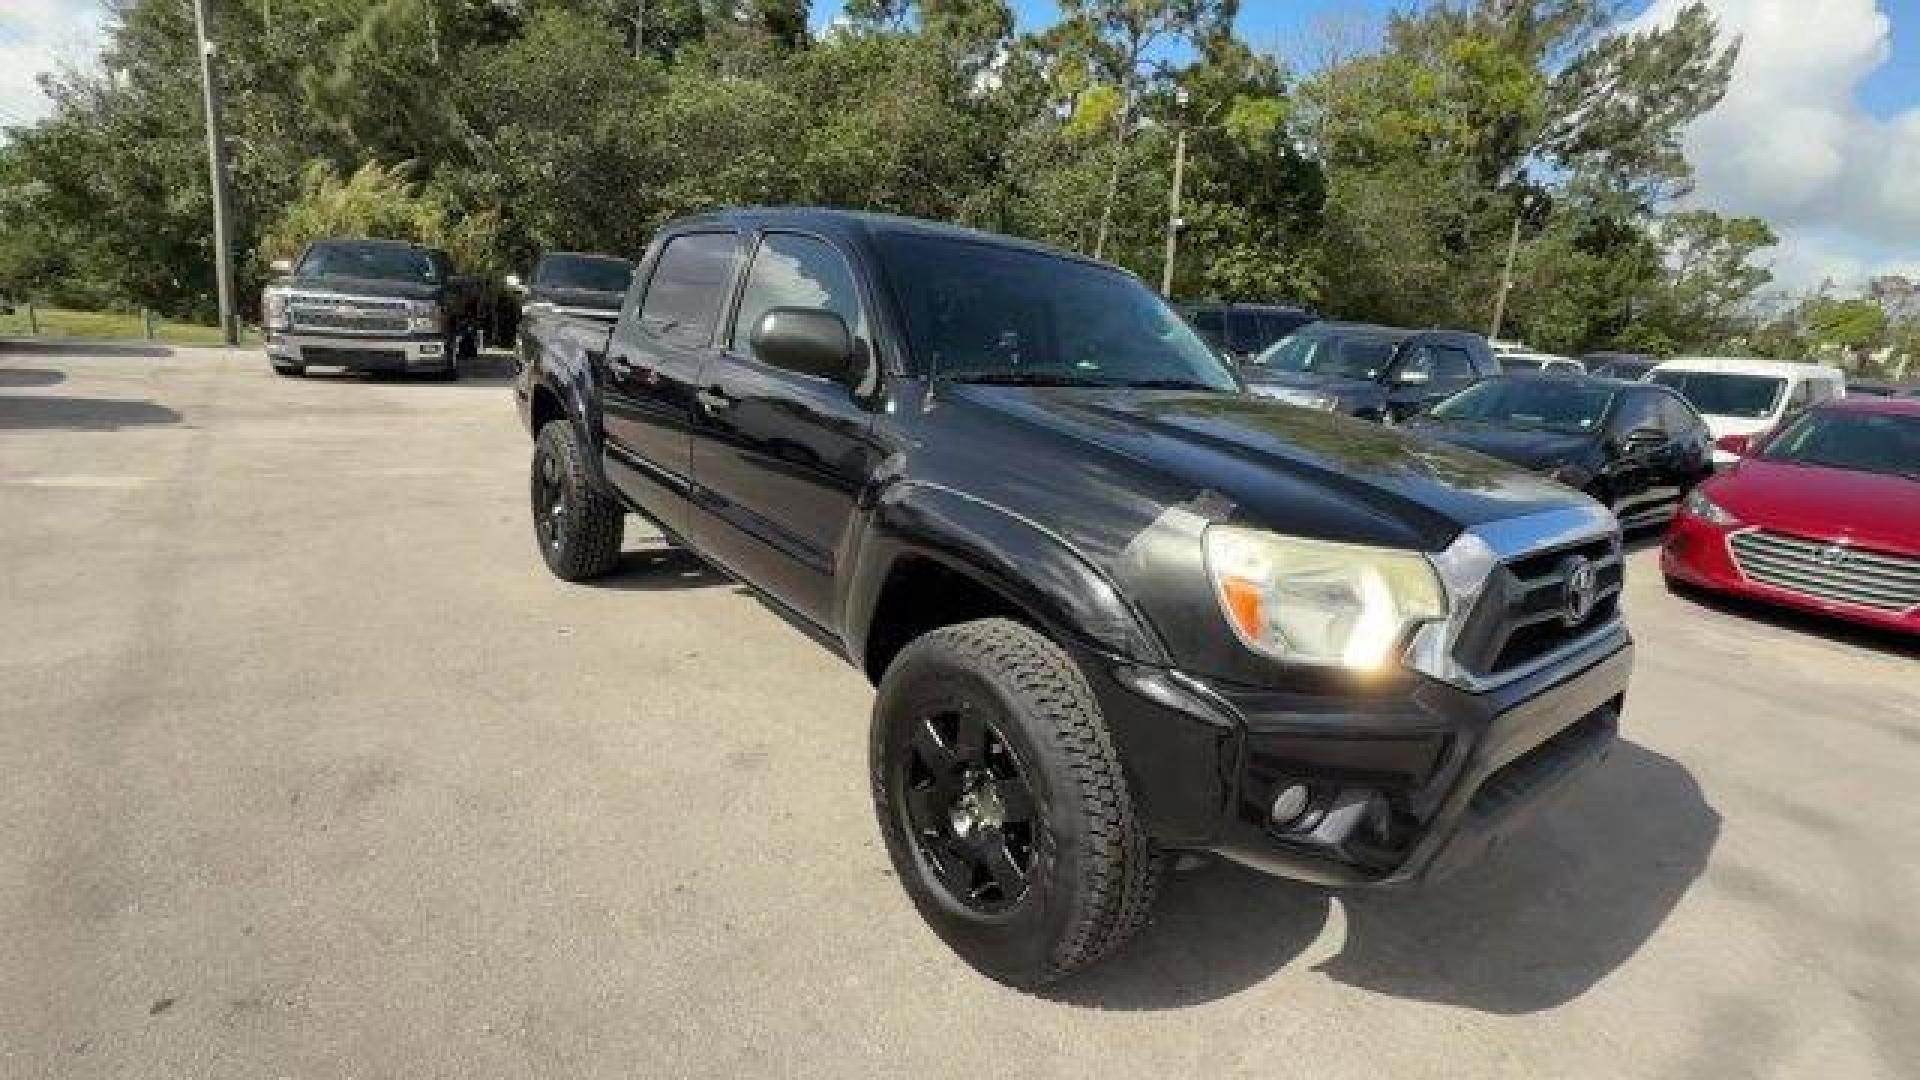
(969, 808)
(579, 528)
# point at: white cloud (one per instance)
(1791, 142)
(40, 36)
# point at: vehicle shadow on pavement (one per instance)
(1571, 896)
(81, 347)
(660, 569)
(1887, 642)
(81, 414)
(16, 377)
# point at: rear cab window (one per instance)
(687, 288)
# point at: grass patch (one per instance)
(113, 326)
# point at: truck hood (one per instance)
(1527, 448)
(352, 286)
(1871, 509)
(1306, 472)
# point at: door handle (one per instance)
(714, 399)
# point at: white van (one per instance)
(1738, 396)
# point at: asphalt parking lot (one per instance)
(311, 770)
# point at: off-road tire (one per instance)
(589, 531)
(1094, 870)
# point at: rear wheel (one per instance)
(1003, 805)
(579, 528)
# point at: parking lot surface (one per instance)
(311, 770)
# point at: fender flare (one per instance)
(1027, 564)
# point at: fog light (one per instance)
(1289, 805)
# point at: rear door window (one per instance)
(688, 286)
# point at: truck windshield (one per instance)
(382, 262)
(1346, 356)
(592, 273)
(1864, 442)
(1545, 404)
(1724, 393)
(979, 312)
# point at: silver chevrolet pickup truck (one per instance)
(372, 305)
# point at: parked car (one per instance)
(1242, 331)
(372, 305)
(1630, 367)
(1114, 607)
(1377, 373)
(1823, 515)
(1747, 397)
(1636, 448)
(1527, 362)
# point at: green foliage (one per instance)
(1383, 185)
(380, 202)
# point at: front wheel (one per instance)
(1003, 805)
(578, 527)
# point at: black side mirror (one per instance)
(807, 340)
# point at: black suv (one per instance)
(1242, 331)
(1377, 373)
(1114, 606)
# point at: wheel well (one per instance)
(546, 408)
(921, 595)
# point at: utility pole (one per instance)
(217, 171)
(1506, 273)
(1174, 224)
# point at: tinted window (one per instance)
(1840, 439)
(1724, 393)
(1520, 363)
(1275, 325)
(381, 262)
(1212, 326)
(1641, 410)
(1530, 403)
(594, 273)
(1244, 333)
(992, 313)
(797, 271)
(690, 280)
(1351, 356)
(1442, 363)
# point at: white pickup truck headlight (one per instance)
(425, 317)
(1315, 602)
(273, 310)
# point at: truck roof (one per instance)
(860, 225)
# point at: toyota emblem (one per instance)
(1583, 591)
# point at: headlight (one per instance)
(273, 310)
(1707, 510)
(1314, 602)
(424, 316)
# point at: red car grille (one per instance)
(1828, 571)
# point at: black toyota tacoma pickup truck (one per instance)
(1114, 606)
(372, 305)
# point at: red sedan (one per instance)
(1822, 515)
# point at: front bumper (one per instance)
(426, 352)
(1407, 782)
(1696, 553)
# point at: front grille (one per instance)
(1825, 571)
(352, 315)
(361, 359)
(1522, 614)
